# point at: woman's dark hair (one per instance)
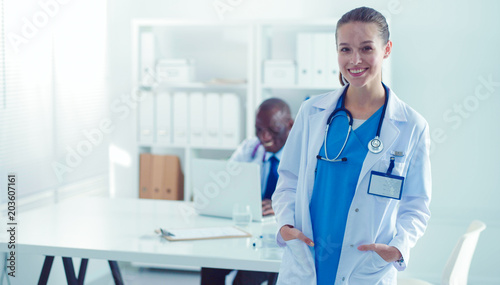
(364, 15)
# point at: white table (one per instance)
(123, 230)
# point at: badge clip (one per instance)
(398, 153)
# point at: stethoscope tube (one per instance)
(254, 152)
(329, 121)
(375, 145)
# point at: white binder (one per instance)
(231, 119)
(304, 59)
(197, 116)
(213, 119)
(147, 58)
(146, 118)
(320, 65)
(164, 118)
(180, 118)
(332, 72)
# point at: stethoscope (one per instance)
(375, 145)
(254, 152)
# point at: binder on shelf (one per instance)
(332, 73)
(180, 118)
(213, 119)
(145, 163)
(161, 177)
(197, 115)
(319, 59)
(172, 187)
(146, 118)
(147, 59)
(157, 170)
(164, 118)
(231, 120)
(304, 59)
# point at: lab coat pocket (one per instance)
(399, 166)
(378, 261)
(369, 271)
(303, 264)
(398, 170)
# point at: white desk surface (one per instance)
(123, 230)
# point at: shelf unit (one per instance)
(228, 50)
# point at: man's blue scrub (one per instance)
(334, 188)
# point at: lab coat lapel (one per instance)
(388, 135)
(317, 127)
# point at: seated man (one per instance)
(272, 125)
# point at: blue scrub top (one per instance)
(334, 188)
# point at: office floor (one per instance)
(138, 275)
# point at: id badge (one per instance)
(386, 185)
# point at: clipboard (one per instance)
(203, 233)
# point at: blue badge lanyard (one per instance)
(391, 166)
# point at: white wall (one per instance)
(441, 55)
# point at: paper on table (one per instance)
(205, 233)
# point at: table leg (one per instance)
(4, 270)
(70, 271)
(83, 270)
(47, 265)
(115, 270)
(273, 278)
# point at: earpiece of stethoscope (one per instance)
(375, 145)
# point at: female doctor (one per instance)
(354, 181)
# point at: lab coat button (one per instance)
(352, 245)
(343, 278)
(357, 210)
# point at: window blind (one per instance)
(54, 95)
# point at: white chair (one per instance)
(457, 268)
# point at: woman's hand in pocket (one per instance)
(288, 232)
(388, 253)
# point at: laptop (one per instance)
(218, 185)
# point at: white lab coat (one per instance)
(251, 150)
(371, 219)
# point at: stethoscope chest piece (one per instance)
(375, 145)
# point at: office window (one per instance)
(55, 95)
(2, 58)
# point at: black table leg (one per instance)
(83, 270)
(273, 278)
(47, 265)
(115, 270)
(70, 271)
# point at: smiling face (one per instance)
(361, 51)
(272, 127)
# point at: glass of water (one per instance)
(242, 216)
